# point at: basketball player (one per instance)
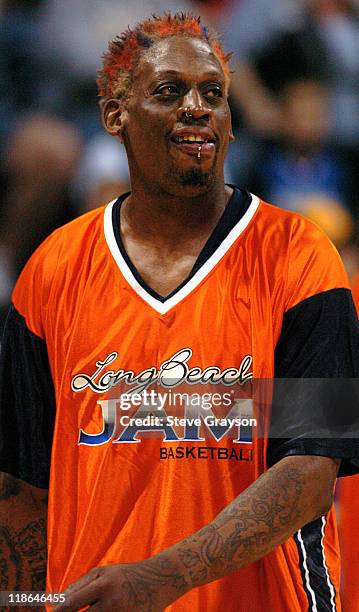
(183, 284)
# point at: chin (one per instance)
(196, 177)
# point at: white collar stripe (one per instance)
(195, 280)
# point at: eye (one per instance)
(213, 91)
(169, 89)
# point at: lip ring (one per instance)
(191, 148)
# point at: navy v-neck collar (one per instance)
(236, 208)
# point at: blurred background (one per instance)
(294, 100)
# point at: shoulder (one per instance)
(289, 224)
(65, 249)
(289, 229)
(72, 236)
(300, 252)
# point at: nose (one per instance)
(193, 107)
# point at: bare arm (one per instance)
(23, 511)
(289, 495)
(294, 492)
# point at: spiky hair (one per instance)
(124, 51)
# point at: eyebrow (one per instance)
(207, 76)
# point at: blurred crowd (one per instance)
(294, 100)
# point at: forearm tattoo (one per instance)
(259, 519)
(281, 501)
(143, 583)
(286, 497)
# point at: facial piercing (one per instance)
(199, 151)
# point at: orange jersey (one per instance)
(121, 490)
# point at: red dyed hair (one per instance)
(124, 51)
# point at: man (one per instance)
(184, 284)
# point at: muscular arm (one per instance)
(23, 510)
(294, 492)
(289, 495)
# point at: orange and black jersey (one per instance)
(267, 297)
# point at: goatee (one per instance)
(196, 178)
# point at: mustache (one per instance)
(193, 122)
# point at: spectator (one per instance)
(308, 39)
(299, 164)
(103, 173)
(41, 158)
(20, 63)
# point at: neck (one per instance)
(164, 217)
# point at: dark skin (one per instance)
(175, 77)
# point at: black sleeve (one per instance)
(27, 403)
(315, 408)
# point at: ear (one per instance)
(114, 118)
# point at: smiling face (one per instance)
(176, 124)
